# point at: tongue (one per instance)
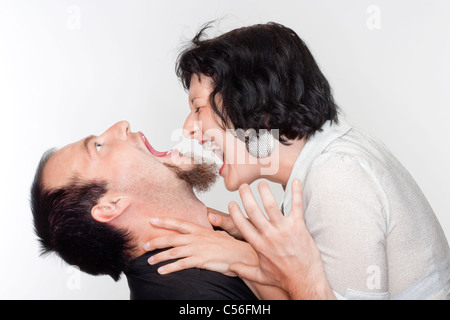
(153, 151)
(157, 153)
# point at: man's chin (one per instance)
(185, 162)
(197, 173)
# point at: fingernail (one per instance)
(213, 217)
(154, 220)
(147, 246)
(151, 260)
(243, 186)
(161, 270)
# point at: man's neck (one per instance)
(186, 207)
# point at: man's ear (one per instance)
(109, 208)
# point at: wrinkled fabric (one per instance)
(378, 236)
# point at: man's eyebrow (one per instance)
(86, 144)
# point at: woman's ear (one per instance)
(108, 209)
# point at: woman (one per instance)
(361, 228)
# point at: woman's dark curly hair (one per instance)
(266, 78)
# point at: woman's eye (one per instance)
(197, 109)
(98, 146)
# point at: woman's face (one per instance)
(204, 125)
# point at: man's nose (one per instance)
(120, 130)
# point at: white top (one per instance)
(377, 234)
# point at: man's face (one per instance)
(120, 157)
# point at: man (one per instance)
(92, 202)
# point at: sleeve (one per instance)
(346, 214)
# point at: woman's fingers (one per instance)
(269, 202)
(297, 200)
(223, 221)
(181, 264)
(174, 240)
(258, 219)
(165, 255)
(179, 225)
(245, 227)
(251, 273)
(194, 262)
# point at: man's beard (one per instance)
(201, 177)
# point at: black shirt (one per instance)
(146, 283)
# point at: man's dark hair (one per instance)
(63, 223)
(266, 78)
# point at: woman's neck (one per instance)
(282, 161)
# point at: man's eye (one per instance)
(98, 146)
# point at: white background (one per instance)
(73, 68)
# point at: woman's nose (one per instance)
(192, 129)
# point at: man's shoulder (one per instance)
(191, 284)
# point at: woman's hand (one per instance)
(197, 247)
(225, 222)
(287, 254)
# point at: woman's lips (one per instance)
(150, 148)
(223, 166)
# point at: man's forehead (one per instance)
(63, 166)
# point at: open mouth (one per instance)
(150, 148)
(186, 150)
(213, 147)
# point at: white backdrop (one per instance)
(73, 68)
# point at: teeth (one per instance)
(189, 148)
(210, 146)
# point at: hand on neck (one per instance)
(138, 223)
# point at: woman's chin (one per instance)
(231, 188)
(233, 180)
(230, 183)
